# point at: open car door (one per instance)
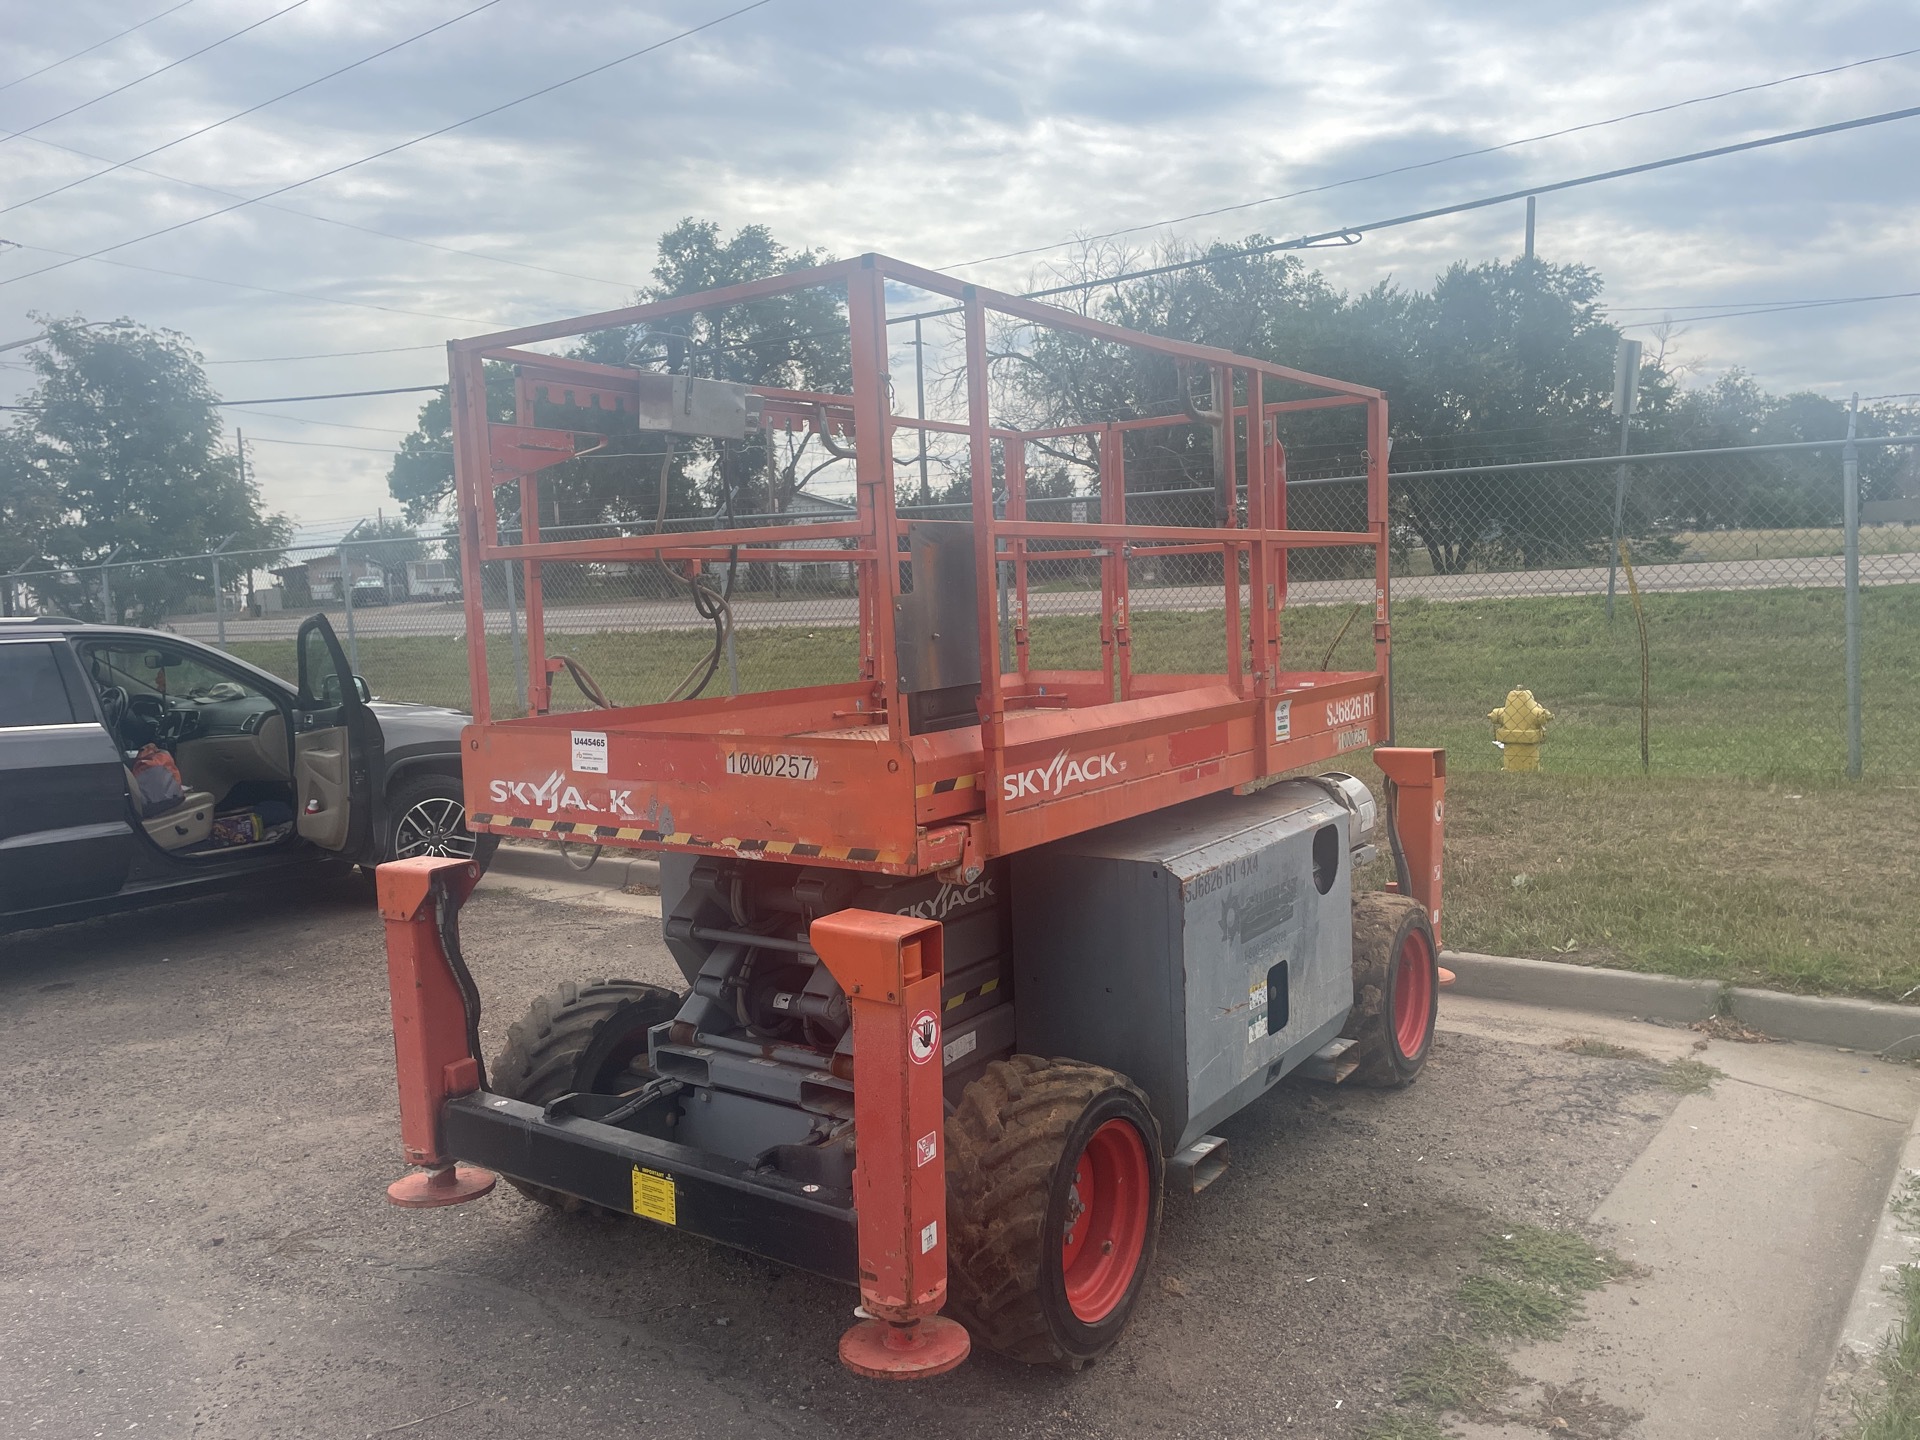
(336, 746)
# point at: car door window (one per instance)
(155, 670)
(320, 679)
(31, 690)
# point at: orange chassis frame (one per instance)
(828, 774)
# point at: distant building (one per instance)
(318, 579)
(432, 580)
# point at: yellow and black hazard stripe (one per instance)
(954, 1002)
(941, 787)
(796, 849)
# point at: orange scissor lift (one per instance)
(910, 907)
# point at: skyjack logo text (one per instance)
(950, 899)
(554, 795)
(1055, 777)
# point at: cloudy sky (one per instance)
(941, 133)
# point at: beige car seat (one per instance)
(186, 823)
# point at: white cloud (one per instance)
(939, 133)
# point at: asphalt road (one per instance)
(201, 1125)
(442, 619)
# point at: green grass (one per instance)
(1558, 1259)
(1528, 1287)
(1745, 857)
(1462, 1375)
(1600, 1049)
(1895, 1413)
(1504, 1308)
(1404, 1425)
(1690, 1077)
(1531, 1281)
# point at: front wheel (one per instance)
(1053, 1206)
(427, 815)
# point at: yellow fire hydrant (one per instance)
(1520, 728)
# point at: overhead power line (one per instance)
(337, 395)
(404, 144)
(262, 289)
(1442, 160)
(324, 355)
(142, 79)
(323, 424)
(97, 45)
(1772, 309)
(330, 445)
(252, 109)
(1351, 234)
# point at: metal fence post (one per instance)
(1850, 509)
(219, 605)
(346, 599)
(1626, 395)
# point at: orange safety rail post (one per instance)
(434, 1055)
(891, 967)
(1419, 780)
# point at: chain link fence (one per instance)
(1505, 575)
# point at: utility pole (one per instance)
(1529, 254)
(106, 586)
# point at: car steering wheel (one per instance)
(113, 705)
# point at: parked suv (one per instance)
(269, 774)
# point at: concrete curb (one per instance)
(1866, 1025)
(614, 870)
(1582, 987)
(1875, 1309)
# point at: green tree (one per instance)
(794, 341)
(1497, 360)
(421, 476)
(120, 447)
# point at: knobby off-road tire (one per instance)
(1036, 1270)
(1396, 990)
(587, 1038)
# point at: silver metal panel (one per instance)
(936, 626)
(1147, 947)
(684, 405)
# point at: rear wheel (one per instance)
(1053, 1206)
(1396, 989)
(589, 1038)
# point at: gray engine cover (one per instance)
(1148, 947)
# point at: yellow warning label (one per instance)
(653, 1196)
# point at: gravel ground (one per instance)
(197, 1242)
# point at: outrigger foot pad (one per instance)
(449, 1185)
(881, 1350)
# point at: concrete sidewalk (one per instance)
(1752, 1210)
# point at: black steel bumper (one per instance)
(701, 1193)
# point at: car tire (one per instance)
(426, 815)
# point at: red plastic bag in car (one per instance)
(158, 777)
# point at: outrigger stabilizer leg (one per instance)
(890, 967)
(436, 1022)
